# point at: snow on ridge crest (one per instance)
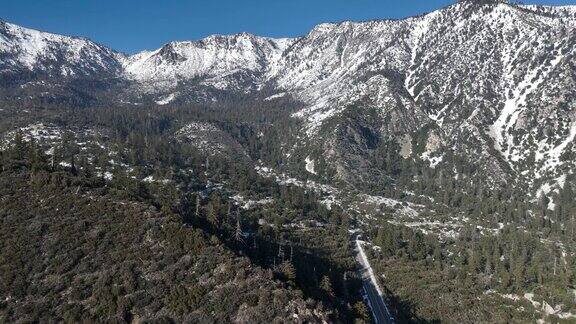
(213, 56)
(335, 65)
(28, 47)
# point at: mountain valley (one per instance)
(444, 143)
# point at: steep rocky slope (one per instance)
(487, 83)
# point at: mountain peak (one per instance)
(484, 2)
(481, 64)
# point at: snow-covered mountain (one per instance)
(223, 62)
(28, 52)
(491, 83)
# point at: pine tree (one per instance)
(19, 148)
(197, 207)
(438, 256)
(505, 278)
(212, 215)
(37, 158)
(362, 311)
(326, 286)
(473, 260)
(288, 270)
(238, 235)
(519, 274)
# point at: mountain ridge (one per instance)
(477, 76)
(125, 59)
(444, 143)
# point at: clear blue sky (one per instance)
(134, 25)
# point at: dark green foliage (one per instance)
(71, 250)
(291, 248)
(453, 285)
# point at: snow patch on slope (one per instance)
(418, 33)
(551, 155)
(310, 165)
(167, 99)
(516, 102)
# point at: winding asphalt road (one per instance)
(380, 311)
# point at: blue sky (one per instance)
(134, 25)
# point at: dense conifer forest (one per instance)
(424, 166)
(86, 233)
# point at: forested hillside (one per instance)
(231, 179)
(79, 245)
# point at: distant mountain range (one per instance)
(486, 84)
